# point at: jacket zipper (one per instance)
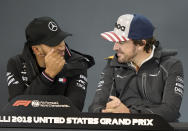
(144, 85)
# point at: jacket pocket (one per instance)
(144, 86)
(153, 86)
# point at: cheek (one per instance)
(131, 49)
(124, 49)
(47, 50)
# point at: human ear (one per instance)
(37, 51)
(144, 42)
(142, 45)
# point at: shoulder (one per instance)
(170, 60)
(167, 56)
(82, 58)
(14, 62)
(14, 59)
(172, 63)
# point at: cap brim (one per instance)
(60, 36)
(113, 37)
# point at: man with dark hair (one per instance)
(47, 66)
(141, 77)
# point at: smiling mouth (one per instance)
(119, 54)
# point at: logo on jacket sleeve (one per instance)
(101, 82)
(11, 79)
(178, 89)
(81, 82)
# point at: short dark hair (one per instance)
(149, 43)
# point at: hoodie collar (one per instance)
(30, 61)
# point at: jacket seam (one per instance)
(149, 110)
(166, 76)
(164, 69)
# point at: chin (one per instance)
(120, 60)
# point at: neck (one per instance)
(140, 57)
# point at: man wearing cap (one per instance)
(47, 66)
(141, 77)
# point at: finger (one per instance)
(60, 62)
(60, 59)
(58, 54)
(107, 111)
(55, 57)
(115, 102)
(54, 54)
(50, 53)
(114, 98)
(112, 104)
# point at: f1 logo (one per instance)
(21, 103)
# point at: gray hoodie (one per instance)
(156, 88)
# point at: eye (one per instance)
(122, 42)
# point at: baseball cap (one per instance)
(44, 30)
(130, 26)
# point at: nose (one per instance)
(116, 47)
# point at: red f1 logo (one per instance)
(21, 103)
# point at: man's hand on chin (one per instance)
(115, 106)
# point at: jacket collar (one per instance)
(160, 53)
(30, 61)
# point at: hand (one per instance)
(115, 106)
(54, 63)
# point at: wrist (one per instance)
(47, 77)
(128, 111)
(49, 73)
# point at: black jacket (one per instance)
(156, 88)
(24, 76)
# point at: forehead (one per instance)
(125, 42)
(62, 43)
